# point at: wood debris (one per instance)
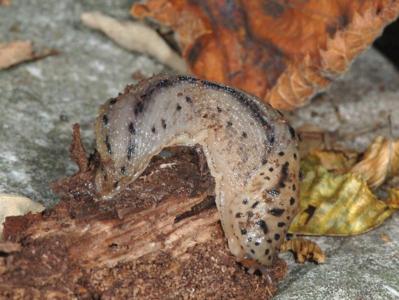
(14, 205)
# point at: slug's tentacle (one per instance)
(250, 149)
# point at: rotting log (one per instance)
(160, 238)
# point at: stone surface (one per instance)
(42, 99)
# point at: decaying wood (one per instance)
(158, 239)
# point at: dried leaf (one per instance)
(380, 161)
(5, 2)
(14, 53)
(393, 198)
(135, 36)
(336, 161)
(304, 250)
(17, 52)
(281, 51)
(385, 238)
(334, 204)
(14, 205)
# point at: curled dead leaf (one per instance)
(281, 51)
(304, 250)
(380, 161)
(336, 204)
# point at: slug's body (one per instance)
(250, 149)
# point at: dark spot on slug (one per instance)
(292, 131)
(229, 124)
(280, 224)
(283, 175)
(153, 129)
(295, 156)
(105, 120)
(108, 144)
(269, 241)
(163, 122)
(219, 109)
(267, 177)
(112, 101)
(116, 184)
(132, 130)
(256, 243)
(138, 108)
(238, 215)
(269, 257)
(123, 170)
(271, 139)
(179, 94)
(267, 251)
(277, 212)
(178, 107)
(264, 161)
(271, 169)
(276, 236)
(255, 204)
(273, 192)
(243, 231)
(252, 251)
(262, 224)
(292, 200)
(189, 100)
(250, 214)
(294, 187)
(245, 201)
(281, 153)
(261, 174)
(244, 134)
(130, 151)
(205, 116)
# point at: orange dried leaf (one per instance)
(281, 51)
(380, 161)
(5, 2)
(14, 53)
(17, 52)
(304, 250)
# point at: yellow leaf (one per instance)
(337, 161)
(334, 204)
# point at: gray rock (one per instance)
(41, 100)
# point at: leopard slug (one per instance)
(250, 149)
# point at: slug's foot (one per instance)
(304, 250)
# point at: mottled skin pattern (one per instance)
(250, 149)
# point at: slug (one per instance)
(250, 148)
